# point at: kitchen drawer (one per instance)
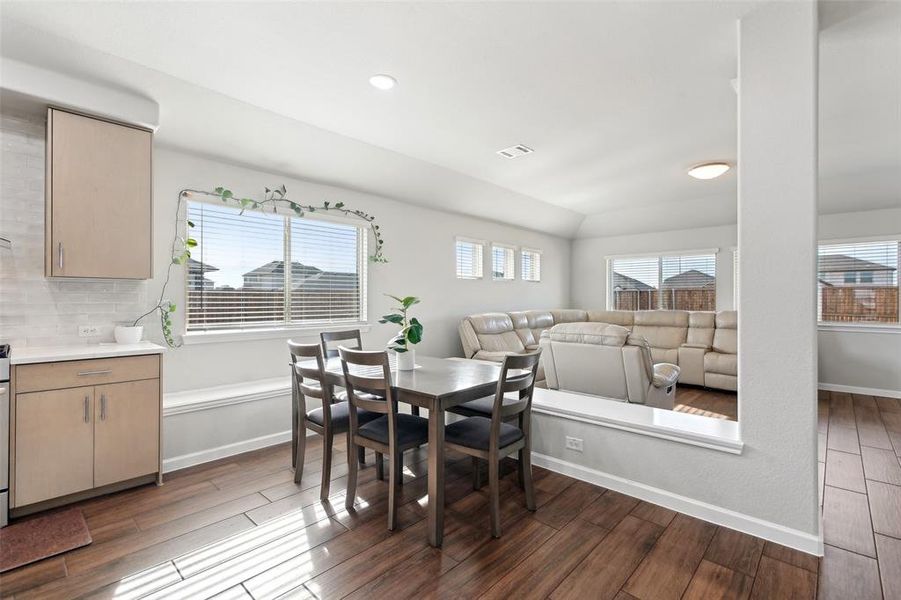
(78, 373)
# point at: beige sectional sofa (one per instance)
(702, 344)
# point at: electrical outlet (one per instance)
(574, 444)
(88, 330)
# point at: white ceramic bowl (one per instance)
(128, 335)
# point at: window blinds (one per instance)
(531, 264)
(469, 259)
(502, 258)
(236, 277)
(663, 282)
(858, 282)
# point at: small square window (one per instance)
(502, 268)
(531, 264)
(469, 259)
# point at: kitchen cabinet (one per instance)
(98, 198)
(82, 428)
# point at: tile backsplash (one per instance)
(35, 310)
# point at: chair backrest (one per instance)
(307, 365)
(339, 336)
(367, 379)
(519, 382)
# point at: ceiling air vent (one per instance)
(515, 151)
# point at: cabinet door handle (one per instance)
(87, 409)
(102, 372)
(103, 407)
(60, 255)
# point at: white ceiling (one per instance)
(617, 98)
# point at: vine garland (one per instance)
(274, 198)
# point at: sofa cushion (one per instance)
(666, 329)
(529, 324)
(569, 315)
(701, 328)
(490, 323)
(624, 318)
(724, 364)
(598, 334)
(725, 338)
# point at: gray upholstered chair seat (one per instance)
(410, 429)
(341, 416)
(475, 432)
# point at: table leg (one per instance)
(436, 476)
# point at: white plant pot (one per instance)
(128, 335)
(406, 361)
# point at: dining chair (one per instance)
(339, 336)
(491, 439)
(331, 418)
(367, 379)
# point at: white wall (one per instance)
(861, 359)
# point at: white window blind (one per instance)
(531, 264)
(469, 259)
(236, 277)
(663, 282)
(502, 258)
(858, 282)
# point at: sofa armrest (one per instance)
(665, 375)
(492, 355)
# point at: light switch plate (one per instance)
(88, 330)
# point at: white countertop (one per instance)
(23, 355)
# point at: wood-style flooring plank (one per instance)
(885, 506)
(847, 575)
(843, 439)
(713, 581)
(892, 421)
(889, 551)
(791, 556)
(841, 410)
(138, 585)
(888, 404)
(653, 513)
(881, 465)
(735, 550)
(846, 521)
(871, 428)
(776, 579)
(845, 471)
(33, 575)
(863, 401)
(407, 580)
(569, 503)
(608, 510)
(667, 570)
(611, 562)
(541, 571)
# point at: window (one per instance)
(237, 277)
(663, 282)
(857, 282)
(502, 268)
(531, 264)
(469, 259)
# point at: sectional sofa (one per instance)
(703, 344)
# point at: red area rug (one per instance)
(38, 538)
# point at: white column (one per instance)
(777, 220)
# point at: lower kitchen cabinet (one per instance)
(126, 430)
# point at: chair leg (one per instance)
(295, 427)
(494, 497)
(476, 474)
(351, 494)
(361, 455)
(394, 476)
(379, 466)
(327, 441)
(525, 461)
(299, 451)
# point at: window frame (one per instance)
(522, 252)
(506, 247)
(660, 256)
(851, 326)
(287, 327)
(475, 242)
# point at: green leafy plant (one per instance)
(272, 199)
(411, 329)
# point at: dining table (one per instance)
(434, 384)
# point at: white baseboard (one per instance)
(805, 542)
(854, 389)
(195, 458)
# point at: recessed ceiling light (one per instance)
(708, 170)
(382, 81)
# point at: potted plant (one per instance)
(410, 333)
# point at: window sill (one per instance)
(285, 333)
(694, 430)
(859, 327)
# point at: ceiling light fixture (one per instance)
(708, 170)
(382, 81)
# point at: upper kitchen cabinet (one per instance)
(98, 213)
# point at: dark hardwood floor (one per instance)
(717, 404)
(240, 528)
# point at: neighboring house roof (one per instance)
(304, 276)
(624, 282)
(329, 280)
(196, 265)
(689, 279)
(841, 263)
(277, 267)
